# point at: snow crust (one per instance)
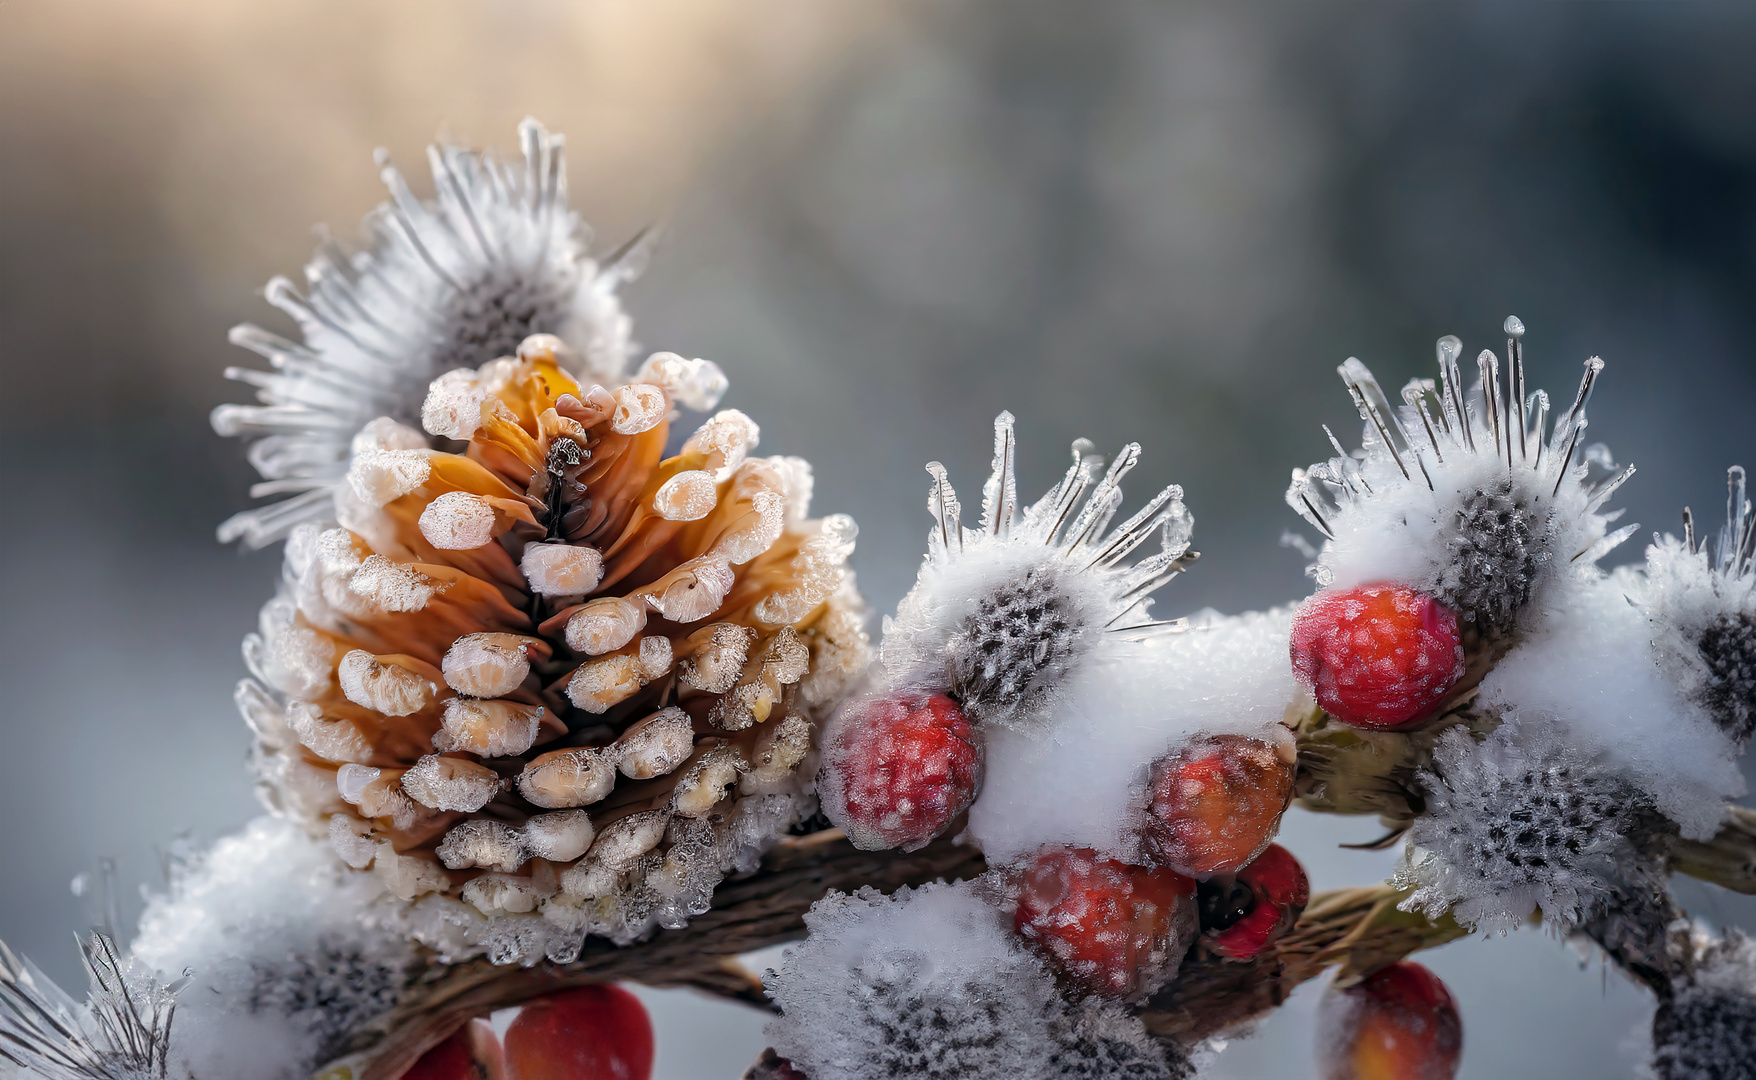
(1082, 781)
(1589, 665)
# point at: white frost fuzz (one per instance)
(928, 983)
(452, 282)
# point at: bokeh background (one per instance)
(886, 221)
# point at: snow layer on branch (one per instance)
(287, 949)
(1589, 665)
(929, 984)
(1082, 781)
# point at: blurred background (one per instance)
(887, 221)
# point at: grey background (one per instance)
(886, 221)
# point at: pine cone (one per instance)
(554, 683)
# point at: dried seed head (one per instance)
(1728, 648)
(1466, 494)
(1003, 615)
(1707, 1029)
(427, 297)
(1522, 821)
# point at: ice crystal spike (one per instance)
(1459, 492)
(1703, 596)
(454, 282)
(123, 1031)
(1001, 614)
(1000, 493)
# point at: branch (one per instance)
(1342, 770)
(1359, 929)
(766, 908)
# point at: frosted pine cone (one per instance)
(555, 684)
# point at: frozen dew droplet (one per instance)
(487, 665)
(562, 569)
(561, 836)
(1514, 326)
(1449, 348)
(458, 521)
(639, 407)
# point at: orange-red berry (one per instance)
(1216, 804)
(593, 1033)
(472, 1053)
(1379, 656)
(899, 769)
(1108, 927)
(1267, 898)
(1399, 1024)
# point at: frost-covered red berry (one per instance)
(1216, 804)
(473, 1053)
(1379, 656)
(1266, 898)
(1110, 928)
(1399, 1024)
(898, 769)
(593, 1033)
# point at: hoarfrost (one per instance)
(1522, 821)
(1707, 1031)
(1589, 666)
(290, 952)
(929, 983)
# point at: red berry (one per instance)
(898, 769)
(472, 1053)
(1399, 1024)
(1380, 656)
(1217, 803)
(1109, 927)
(593, 1033)
(1278, 892)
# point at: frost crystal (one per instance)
(450, 283)
(928, 983)
(291, 953)
(1003, 614)
(1707, 1030)
(122, 1031)
(1521, 821)
(1467, 495)
(1702, 599)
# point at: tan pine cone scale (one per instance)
(555, 683)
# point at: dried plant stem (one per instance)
(1358, 929)
(1729, 859)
